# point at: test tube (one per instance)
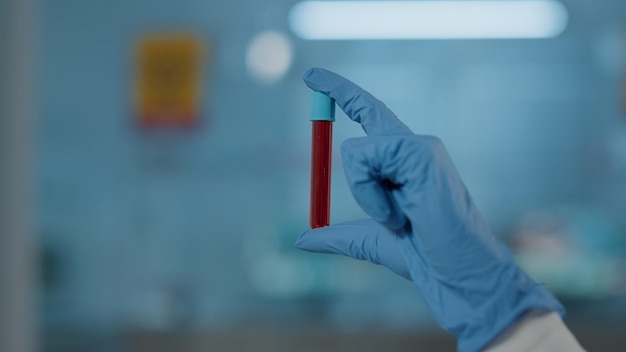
(322, 117)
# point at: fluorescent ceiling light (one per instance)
(428, 19)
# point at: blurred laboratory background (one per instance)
(155, 167)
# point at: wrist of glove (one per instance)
(424, 225)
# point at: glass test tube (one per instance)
(322, 117)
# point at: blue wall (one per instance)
(155, 229)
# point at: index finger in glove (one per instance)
(360, 106)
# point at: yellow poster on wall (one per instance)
(168, 89)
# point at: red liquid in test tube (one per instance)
(321, 158)
(322, 117)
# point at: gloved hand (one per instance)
(424, 225)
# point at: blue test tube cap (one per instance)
(322, 107)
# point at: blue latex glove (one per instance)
(424, 225)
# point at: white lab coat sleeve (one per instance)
(536, 332)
